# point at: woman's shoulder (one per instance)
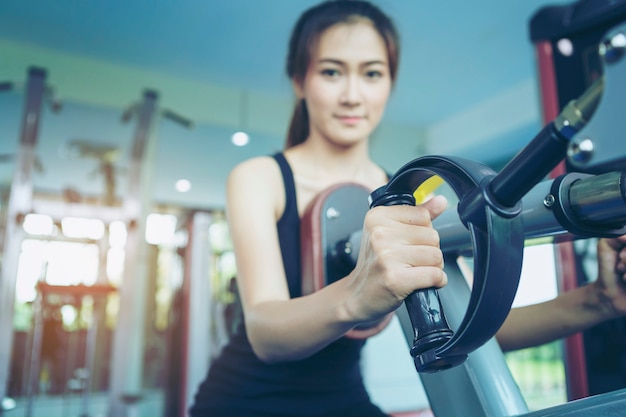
(259, 167)
(260, 173)
(257, 179)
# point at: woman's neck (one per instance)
(331, 162)
(316, 169)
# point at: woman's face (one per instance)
(348, 83)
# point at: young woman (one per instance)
(290, 356)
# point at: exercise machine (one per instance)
(496, 213)
(450, 331)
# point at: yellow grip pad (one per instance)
(426, 188)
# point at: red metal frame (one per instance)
(575, 362)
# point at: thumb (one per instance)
(435, 206)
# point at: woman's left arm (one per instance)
(575, 310)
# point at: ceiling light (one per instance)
(183, 185)
(240, 139)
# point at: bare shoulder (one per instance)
(259, 180)
(257, 170)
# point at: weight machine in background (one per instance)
(125, 378)
(566, 39)
(497, 211)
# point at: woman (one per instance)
(289, 358)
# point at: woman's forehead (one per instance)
(351, 41)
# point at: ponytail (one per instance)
(299, 126)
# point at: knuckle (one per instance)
(433, 237)
(421, 215)
(379, 238)
(437, 277)
(373, 215)
(437, 257)
(441, 278)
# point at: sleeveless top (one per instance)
(325, 384)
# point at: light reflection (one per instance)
(58, 263)
(160, 229)
(115, 266)
(69, 315)
(219, 237)
(38, 224)
(117, 234)
(78, 227)
(565, 47)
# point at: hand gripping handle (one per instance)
(498, 242)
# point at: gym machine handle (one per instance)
(489, 207)
(497, 249)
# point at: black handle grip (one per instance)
(431, 329)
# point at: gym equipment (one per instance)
(566, 38)
(37, 93)
(489, 206)
(126, 364)
(73, 295)
(496, 213)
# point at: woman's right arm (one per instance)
(399, 253)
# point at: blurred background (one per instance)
(119, 122)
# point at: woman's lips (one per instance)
(351, 120)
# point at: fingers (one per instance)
(435, 206)
(410, 215)
(399, 254)
(618, 246)
(429, 277)
(616, 243)
(400, 225)
(612, 261)
(620, 265)
(414, 256)
(401, 238)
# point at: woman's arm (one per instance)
(399, 253)
(575, 310)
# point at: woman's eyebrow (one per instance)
(330, 61)
(340, 62)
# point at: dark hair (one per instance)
(305, 37)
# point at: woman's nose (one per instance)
(351, 94)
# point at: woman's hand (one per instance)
(399, 254)
(611, 282)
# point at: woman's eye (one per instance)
(330, 72)
(374, 75)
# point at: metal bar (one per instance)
(538, 211)
(127, 355)
(196, 310)
(19, 203)
(610, 404)
(34, 367)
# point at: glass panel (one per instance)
(539, 371)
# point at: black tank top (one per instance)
(327, 383)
